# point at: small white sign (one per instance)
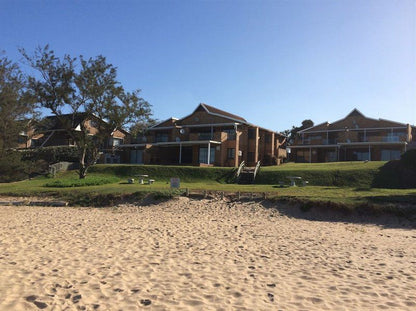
(175, 182)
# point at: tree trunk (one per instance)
(82, 165)
(82, 171)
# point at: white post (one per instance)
(180, 153)
(209, 152)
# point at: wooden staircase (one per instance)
(247, 175)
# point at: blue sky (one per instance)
(275, 63)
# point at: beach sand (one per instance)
(188, 254)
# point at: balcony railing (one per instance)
(359, 139)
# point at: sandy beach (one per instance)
(188, 254)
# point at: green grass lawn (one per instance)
(212, 179)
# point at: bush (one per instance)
(165, 172)
(399, 173)
(12, 168)
(338, 178)
(52, 154)
(90, 181)
(408, 159)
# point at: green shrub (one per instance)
(12, 168)
(74, 182)
(408, 159)
(398, 173)
(165, 172)
(339, 178)
(52, 154)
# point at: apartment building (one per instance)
(53, 131)
(208, 137)
(353, 138)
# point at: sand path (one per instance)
(200, 255)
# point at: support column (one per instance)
(209, 152)
(369, 153)
(180, 153)
(256, 147)
(237, 148)
(272, 146)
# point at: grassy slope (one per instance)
(215, 179)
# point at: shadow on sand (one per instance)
(386, 217)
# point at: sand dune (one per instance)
(200, 255)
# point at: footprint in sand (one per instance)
(145, 302)
(40, 304)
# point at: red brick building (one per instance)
(353, 138)
(51, 132)
(208, 136)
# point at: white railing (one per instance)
(240, 168)
(256, 170)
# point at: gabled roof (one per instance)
(219, 112)
(354, 120)
(167, 122)
(69, 121)
(51, 123)
(172, 122)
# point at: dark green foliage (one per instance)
(87, 87)
(16, 103)
(399, 173)
(340, 178)
(12, 168)
(158, 172)
(91, 181)
(52, 154)
(408, 159)
(293, 132)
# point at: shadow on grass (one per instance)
(386, 215)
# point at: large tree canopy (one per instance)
(75, 86)
(293, 132)
(16, 104)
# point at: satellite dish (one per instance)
(182, 131)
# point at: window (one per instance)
(251, 133)
(230, 134)
(117, 141)
(203, 155)
(162, 137)
(388, 155)
(230, 153)
(268, 138)
(361, 155)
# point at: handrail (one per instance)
(256, 170)
(240, 168)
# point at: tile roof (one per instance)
(355, 119)
(211, 109)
